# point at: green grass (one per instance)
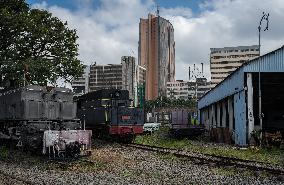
(86, 166)
(160, 138)
(4, 152)
(225, 171)
(168, 157)
(130, 173)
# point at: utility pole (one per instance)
(202, 69)
(264, 17)
(195, 74)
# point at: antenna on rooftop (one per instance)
(158, 11)
(189, 73)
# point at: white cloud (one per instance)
(112, 30)
(178, 11)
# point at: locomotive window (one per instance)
(121, 104)
(79, 104)
(104, 102)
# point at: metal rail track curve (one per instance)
(213, 159)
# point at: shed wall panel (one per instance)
(240, 118)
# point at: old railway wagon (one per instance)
(43, 119)
(182, 124)
(108, 113)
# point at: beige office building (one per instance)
(225, 60)
(180, 89)
(156, 53)
(80, 85)
(127, 76)
(105, 77)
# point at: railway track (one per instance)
(215, 160)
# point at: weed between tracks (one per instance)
(231, 171)
(169, 157)
(161, 139)
(225, 171)
(85, 166)
(4, 152)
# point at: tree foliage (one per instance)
(168, 102)
(36, 45)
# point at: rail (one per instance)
(213, 159)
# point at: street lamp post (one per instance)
(264, 17)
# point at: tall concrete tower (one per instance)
(128, 75)
(156, 54)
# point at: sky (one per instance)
(109, 29)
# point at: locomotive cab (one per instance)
(108, 113)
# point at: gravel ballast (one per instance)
(117, 164)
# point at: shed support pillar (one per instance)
(207, 118)
(210, 114)
(218, 115)
(231, 113)
(250, 106)
(224, 118)
(214, 115)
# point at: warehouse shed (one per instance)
(233, 106)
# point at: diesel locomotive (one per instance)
(108, 112)
(43, 119)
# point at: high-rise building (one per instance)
(156, 54)
(180, 89)
(140, 85)
(81, 85)
(105, 77)
(202, 87)
(140, 75)
(225, 60)
(128, 75)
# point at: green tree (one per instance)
(168, 102)
(36, 45)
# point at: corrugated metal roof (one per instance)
(270, 62)
(232, 84)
